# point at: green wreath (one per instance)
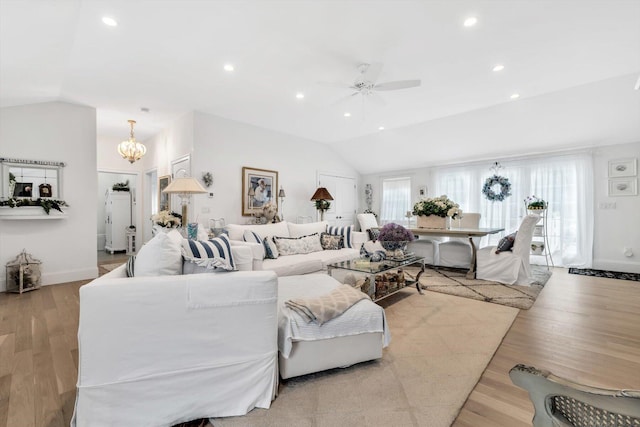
(505, 188)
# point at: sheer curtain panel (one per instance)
(396, 200)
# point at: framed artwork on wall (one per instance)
(259, 186)
(623, 187)
(623, 167)
(164, 202)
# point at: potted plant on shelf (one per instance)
(436, 212)
(535, 203)
(394, 238)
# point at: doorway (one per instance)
(342, 211)
(106, 182)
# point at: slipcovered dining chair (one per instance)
(457, 251)
(510, 267)
(367, 221)
(562, 403)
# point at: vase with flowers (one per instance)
(436, 212)
(394, 238)
(535, 204)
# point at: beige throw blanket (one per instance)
(326, 307)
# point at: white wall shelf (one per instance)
(29, 212)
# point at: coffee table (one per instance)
(382, 279)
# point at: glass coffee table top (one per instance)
(365, 266)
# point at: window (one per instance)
(564, 181)
(396, 199)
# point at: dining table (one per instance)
(470, 233)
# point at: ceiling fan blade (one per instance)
(377, 99)
(344, 99)
(372, 71)
(400, 84)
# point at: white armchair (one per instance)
(509, 267)
(367, 221)
(457, 251)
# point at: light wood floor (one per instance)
(584, 328)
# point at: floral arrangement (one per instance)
(323, 205)
(439, 206)
(505, 188)
(167, 219)
(535, 203)
(393, 232)
(45, 203)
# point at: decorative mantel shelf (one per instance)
(29, 212)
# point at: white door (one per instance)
(343, 206)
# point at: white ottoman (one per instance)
(357, 335)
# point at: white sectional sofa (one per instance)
(289, 265)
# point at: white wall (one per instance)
(64, 132)
(616, 228)
(223, 147)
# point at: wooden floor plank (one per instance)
(583, 328)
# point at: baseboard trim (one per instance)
(610, 265)
(61, 277)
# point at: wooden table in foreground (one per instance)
(460, 232)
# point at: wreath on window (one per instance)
(505, 188)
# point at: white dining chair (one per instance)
(457, 252)
(509, 267)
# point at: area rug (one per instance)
(440, 347)
(605, 273)
(454, 282)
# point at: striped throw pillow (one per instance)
(271, 250)
(130, 264)
(218, 248)
(253, 237)
(347, 232)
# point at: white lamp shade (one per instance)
(186, 185)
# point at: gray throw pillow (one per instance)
(506, 243)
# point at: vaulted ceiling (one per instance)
(169, 56)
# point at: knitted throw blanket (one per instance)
(326, 307)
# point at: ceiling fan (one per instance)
(366, 83)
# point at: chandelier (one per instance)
(131, 149)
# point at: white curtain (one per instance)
(564, 181)
(396, 199)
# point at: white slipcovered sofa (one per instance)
(289, 265)
(157, 351)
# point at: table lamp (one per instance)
(184, 188)
(281, 195)
(320, 197)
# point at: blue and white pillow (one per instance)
(347, 232)
(213, 253)
(270, 248)
(253, 237)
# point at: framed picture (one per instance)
(23, 189)
(259, 186)
(623, 167)
(623, 187)
(164, 202)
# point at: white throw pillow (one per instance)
(299, 230)
(160, 256)
(253, 237)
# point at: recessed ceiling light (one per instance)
(347, 114)
(498, 67)
(381, 128)
(515, 96)
(229, 67)
(299, 95)
(470, 21)
(109, 21)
